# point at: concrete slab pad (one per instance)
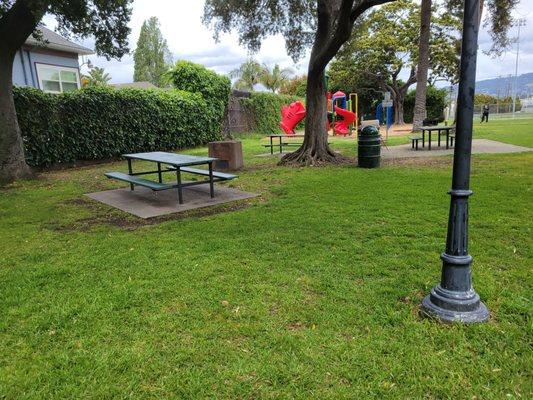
(479, 146)
(145, 203)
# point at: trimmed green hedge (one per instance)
(264, 111)
(99, 123)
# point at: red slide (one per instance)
(291, 115)
(341, 127)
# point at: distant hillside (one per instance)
(504, 86)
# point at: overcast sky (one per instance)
(189, 39)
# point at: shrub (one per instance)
(214, 88)
(435, 104)
(101, 122)
(264, 111)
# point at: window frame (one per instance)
(58, 68)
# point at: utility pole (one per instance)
(521, 22)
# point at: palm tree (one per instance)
(423, 65)
(274, 80)
(96, 77)
(248, 75)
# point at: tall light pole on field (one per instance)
(454, 299)
(521, 22)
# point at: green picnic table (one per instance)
(170, 162)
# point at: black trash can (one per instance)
(369, 148)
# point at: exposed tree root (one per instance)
(309, 157)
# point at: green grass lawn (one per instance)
(309, 291)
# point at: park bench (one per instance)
(415, 140)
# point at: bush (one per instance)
(101, 122)
(435, 104)
(214, 88)
(264, 111)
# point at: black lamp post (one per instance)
(454, 299)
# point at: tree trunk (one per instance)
(315, 149)
(16, 24)
(420, 112)
(398, 100)
(12, 162)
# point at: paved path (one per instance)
(479, 146)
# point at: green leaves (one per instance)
(101, 122)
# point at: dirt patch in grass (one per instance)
(419, 162)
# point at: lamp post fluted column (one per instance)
(454, 299)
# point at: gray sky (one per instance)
(189, 39)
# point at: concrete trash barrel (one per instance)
(369, 147)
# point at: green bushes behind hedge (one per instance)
(214, 88)
(264, 111)
(99, 123)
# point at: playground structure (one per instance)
(342, 114)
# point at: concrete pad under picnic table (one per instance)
(145, 203)
(479, 146)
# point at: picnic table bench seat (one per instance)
(155, 186)
(220, 175)
(414, 141)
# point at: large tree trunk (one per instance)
(15, 26)
(12, 162)
(315, 149)
(420, 113)
(398, 101)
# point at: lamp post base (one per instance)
(448, 306)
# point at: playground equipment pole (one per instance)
(454, 299)
(356, 102)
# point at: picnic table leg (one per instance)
(271, 146)
(439, 137)
(211, 183)
(130, 171)
(447, 139)
(159, 173)
(423, 138)
(280, 146)
(180, 190)
(429, 140)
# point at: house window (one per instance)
(55, 79)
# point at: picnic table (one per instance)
(170, 162)
(281, 142)
(440, 130)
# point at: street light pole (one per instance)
(454, 299)
(521, 22)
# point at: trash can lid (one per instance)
(370, 130)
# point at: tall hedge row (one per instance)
(98, 123)
(264, 111)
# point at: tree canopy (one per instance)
(385, 43)
(273, 79)
(96, 77)
(247, 75)
(106, 21)
(152, 57)
(498, 19)
(256, 20)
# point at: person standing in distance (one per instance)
(485, 113)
